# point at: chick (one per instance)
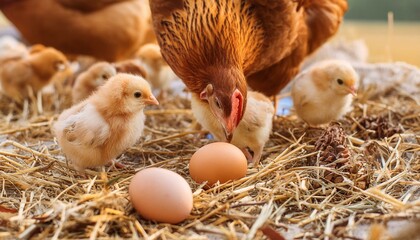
(159, 73)
(323, 93)
(88, 81)
(19, 76)
(95, 131)
(253, 130)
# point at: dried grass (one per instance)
(41, 197)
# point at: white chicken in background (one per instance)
(12, 48)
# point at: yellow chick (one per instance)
(323, 93)
(253, 130)
(95, 131)
(159, 73)
(87, 82)
(35, 71)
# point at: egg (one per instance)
(217, 161)
(161, 195)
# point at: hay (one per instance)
(41, 197)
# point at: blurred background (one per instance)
(390, 29)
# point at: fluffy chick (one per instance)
(252, 132)
(323, 93)
(95, 131)
(35, 71)
(159, 73)
(87, 82)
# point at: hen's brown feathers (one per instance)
(200, 35)
(323, 18)
(266, 40)
(106, 29)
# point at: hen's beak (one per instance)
(151, 100)
(229, 129)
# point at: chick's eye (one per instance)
(137, 94)
(105, 76)
(340, 81)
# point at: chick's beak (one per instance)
(352, 90)
(151, 100)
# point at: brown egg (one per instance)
(218, 161)
(161, 195)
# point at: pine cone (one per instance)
(332, 145)
(334, 153)
(380, 127)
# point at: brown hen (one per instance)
(106, 29)
(229, 43)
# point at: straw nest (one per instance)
(311, 183)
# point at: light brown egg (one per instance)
(218, 161)
(161, 195)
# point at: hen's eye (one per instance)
(218, 105)
(340, 81)
(137, 94)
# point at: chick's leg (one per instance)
(257, 156)
(116, 165)
(247, 154)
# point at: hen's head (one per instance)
(226, 94)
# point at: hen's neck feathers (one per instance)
(223, 34)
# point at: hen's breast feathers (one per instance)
(206, 33)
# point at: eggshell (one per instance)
(161, 195)
(218, 161)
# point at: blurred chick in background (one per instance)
(98, 129)
(88, 81)
(22, 75)
(97, 74)
(323, 93)
(159, 74)
(252, 132)
(106, 29)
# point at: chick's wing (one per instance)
(86, 128)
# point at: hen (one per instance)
(106, 29)
(230, 43)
